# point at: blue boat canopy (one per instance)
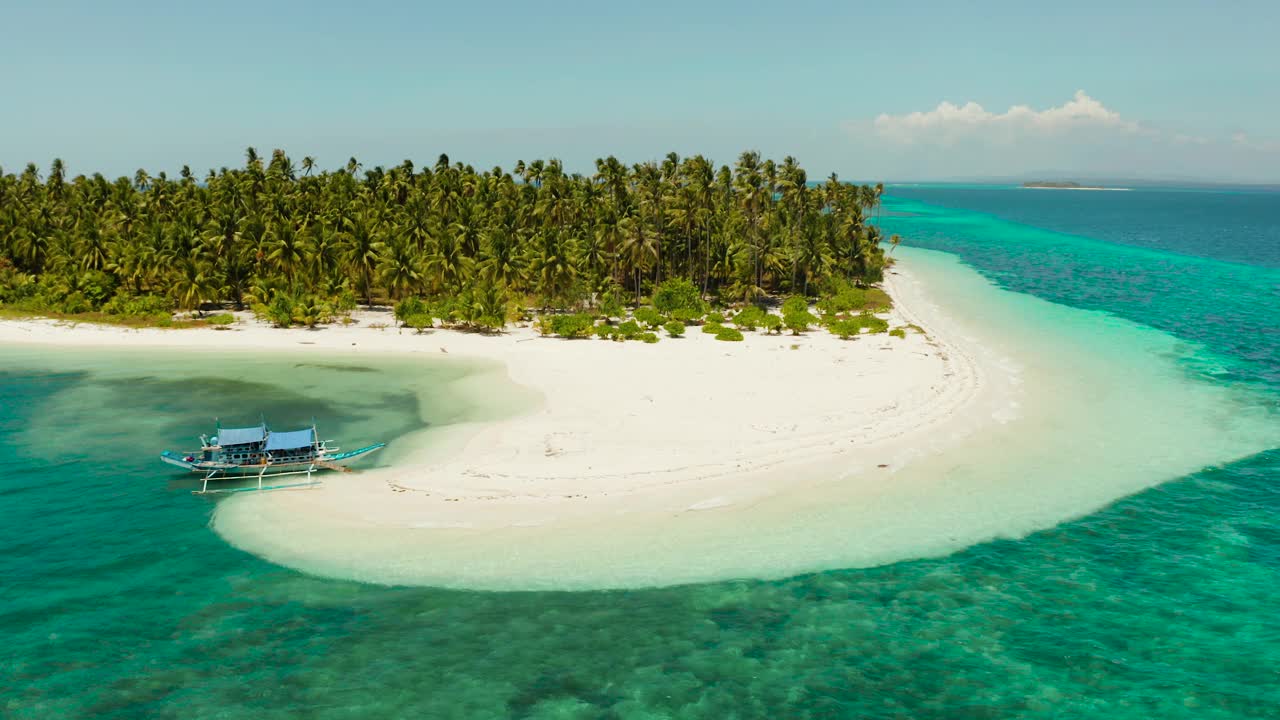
(291, 440)
(241, 436)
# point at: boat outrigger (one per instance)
(258, 453)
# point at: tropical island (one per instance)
(543, 323)
(447, 245)
(791, 339)
(1063, 185)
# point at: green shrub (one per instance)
(74, 303)
(484, 306)
(574, 326)
(446, 309)
(844, 328)
(278, 312)
(311, 311)
(96, 286)
(678, 294)
(795, 303)
(847, 299)
(648, 337)
(796, 315)
(847, 327)
(629, 330)
(15, 286)
(605, 332)
(898, 333)
(410, 307)
(341, 300)
(872, 323)
(686, 316)
(222, 319)
(675, 328)
(750, 317)
(649, 316)
(419, 322)
(841, 296)
(772, 324)
(878, 300)
(138, 305)
(712, 328)
(729, 334)
(611, 302)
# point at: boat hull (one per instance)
(328, 461)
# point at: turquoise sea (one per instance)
(118, 601)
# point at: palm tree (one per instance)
(191, 284)
(285, 253)
(551, 264)
(639, 247)
(401, 268)
(259, 233)
(360, 250)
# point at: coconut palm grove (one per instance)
(300, 245)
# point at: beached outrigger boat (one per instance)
(258, 453)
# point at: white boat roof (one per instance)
(241, 436)
(291, 440)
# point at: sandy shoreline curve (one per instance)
(633, 465)
(694, 426)
(689, 424)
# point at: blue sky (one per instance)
(1185, 89)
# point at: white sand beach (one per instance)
(683, 425)
(686, 426)
(696, 459)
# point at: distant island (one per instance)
(1063, 185)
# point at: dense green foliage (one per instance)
(629, 330)
(679, 298)
(728, 333)
(840, 296)
(648, 316)
(575, 326)
(844, 328)
(749, 317)
(847, 326)
(674, 328)
(301, 246)
(611, 304)
(796, 316)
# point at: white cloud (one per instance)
(1244, 141)
(949, 123)
(1081, 137)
